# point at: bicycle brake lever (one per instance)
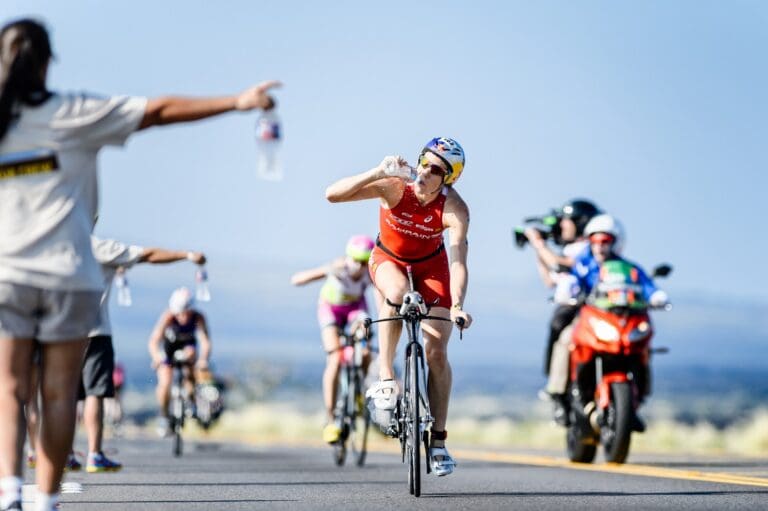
(460, 323)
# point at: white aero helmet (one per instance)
(180, 301)
(610, 225)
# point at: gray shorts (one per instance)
(28, 312)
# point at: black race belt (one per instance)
(409, 260)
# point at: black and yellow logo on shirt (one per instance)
(28, 162)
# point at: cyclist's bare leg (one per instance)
(436, 336)
(61, 364)
(331, 345)
(163, 390)
(392, 284)
(15, 361)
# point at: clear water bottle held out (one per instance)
(123, 291)
(202, 293)
(269, 136)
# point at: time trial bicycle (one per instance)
(412, 414)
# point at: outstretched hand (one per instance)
(257, 96)
(197, 257)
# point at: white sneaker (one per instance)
(382, 401)
(383, 394)
(163, 427)
(441, 462)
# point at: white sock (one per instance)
(10, 490)
(46, 501)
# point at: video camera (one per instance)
(547, 225)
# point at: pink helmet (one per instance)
(359, 248)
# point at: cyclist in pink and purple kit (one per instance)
(341, 305)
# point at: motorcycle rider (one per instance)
(606, 238)
(555, 272)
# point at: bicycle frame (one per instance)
(350, 391)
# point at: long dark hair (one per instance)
(25, 50)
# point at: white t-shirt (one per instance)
(566, 284)
(111, 255)
(49, 190)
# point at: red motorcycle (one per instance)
(609, 374)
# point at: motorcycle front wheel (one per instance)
(617, 432)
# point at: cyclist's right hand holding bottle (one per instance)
(396, 166)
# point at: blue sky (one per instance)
(656, 110)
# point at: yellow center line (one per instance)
(616, 468)
(551, 461)
(627, 469)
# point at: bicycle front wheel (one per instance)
(413, 425)
(343, 417)
(177, 420)
(360, 419)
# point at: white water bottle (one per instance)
(269, 136)
(123, 291)
(202, 293)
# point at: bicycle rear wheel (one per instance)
(413, 425)
(360, 419)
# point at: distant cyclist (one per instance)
(99, 363)
(412, 217)
(341, 305)
(178, 330)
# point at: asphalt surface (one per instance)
(226, 476)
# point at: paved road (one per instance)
(236, 477)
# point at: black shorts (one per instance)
(98, 366)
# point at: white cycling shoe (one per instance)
(382, 402)
(441, 462)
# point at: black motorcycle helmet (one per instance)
(580, 211)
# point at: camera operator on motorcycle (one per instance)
(555, 272)
(593, 276)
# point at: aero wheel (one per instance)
(360, 420)
(177, 441)
(616, 434)
(414, 429)
(342, 416)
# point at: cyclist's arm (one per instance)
(456, 220)
(305, 277)
(162, 256)
(156, 339)
(205, 342)
(174, 109)
(372, 184)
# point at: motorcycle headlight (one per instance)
(642, 331)
(604, 330)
